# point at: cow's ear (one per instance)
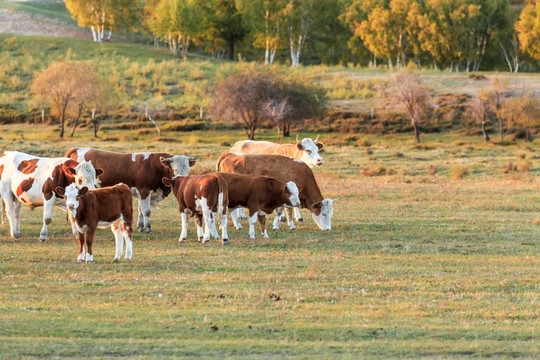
(60, 191)
(299, 146)
(317, 205)
(167, 182)
(300, 188)
(192, 160)
(320, 145)
(99, 172)
(83, 191)
(166, 161)
(72, 170)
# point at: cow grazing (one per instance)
(142, 172)
(108, 206)
(306, 150)
(261, 195)
(33, 181)
(284, 169)
(205, 196)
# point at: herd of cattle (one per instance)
(95, 188)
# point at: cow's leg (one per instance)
(17, 212)
(118, 239)
(89, 236)
(224, 234)
(128, 235)
(288, 213)
(9, 204)
(48, 206)
(262, 222)
(82, 253)
(185, 221)
(252, 221)
(145, 207)
(140, 219)
(242, 213)
(234, 217)
(199, 225)
(278, 213)
(297, 215)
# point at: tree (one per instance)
(265, 20)
(499, 86)
(177, 22)
(65, 86)
(521, 111)
(99, 15)
(242, 97)
(409, 91)
(481, 110)
(528, 30)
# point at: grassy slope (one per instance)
(415, 265)
(52, 10)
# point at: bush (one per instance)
(524, 166)
(458, 172)
(377, 171)
(432, 170)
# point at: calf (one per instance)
(205, 196)
(142, 172)
(32, 180)
(99, 208)
(284, 169)
(260, 195)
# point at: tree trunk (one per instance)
(62, 120)
(416, 131)
(501, 132)
(231, 50)
(286, 129)
(486, 136)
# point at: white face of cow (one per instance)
(180, 164)
(310, 152)
(72, 203)
(324, 219)
(293, 190)
(85, 175)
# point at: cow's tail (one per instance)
(3, 210)
(220, 159)
(223, 199)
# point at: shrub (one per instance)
(432, 170)
(14, 82)
(377, 171)
(524, 166)
(510, 168)
(458, 172)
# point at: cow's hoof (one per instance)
(115, 260)
(205, 242)
(292, 228)
(79, 261)
(239, 228)
(200, 239)
(147, 230)
(225, 241)
(42, 238)
(17, 235)
(275, 229)
(89, 261)
(283, 219)
(300, 220)
(182, 240)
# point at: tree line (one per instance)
(459, 35)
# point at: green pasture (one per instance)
(419, 263)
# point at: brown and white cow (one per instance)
(306, 150)
(205, 196)
(142, 172)
(284, 169)
(261, 195)
(32, 181)
(108, 206)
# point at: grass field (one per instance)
(417, 264)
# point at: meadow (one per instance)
(423, 261)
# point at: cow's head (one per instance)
(72, 194)
(291, 191)
(180, 164)
(310, 151)
(322, 213)
(84, 173)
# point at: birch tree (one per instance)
(528, 30)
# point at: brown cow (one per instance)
(205, 196)
(142, 172)
(261, 195)
(284, 169)
(99, 208)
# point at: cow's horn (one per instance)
(193, 158)
(297, 138)
(316, 138)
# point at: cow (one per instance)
(284, 169)
(306, 150)
(261, 195)
(205, 196)
(101, 207)
(32, 180)
(142, 172)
